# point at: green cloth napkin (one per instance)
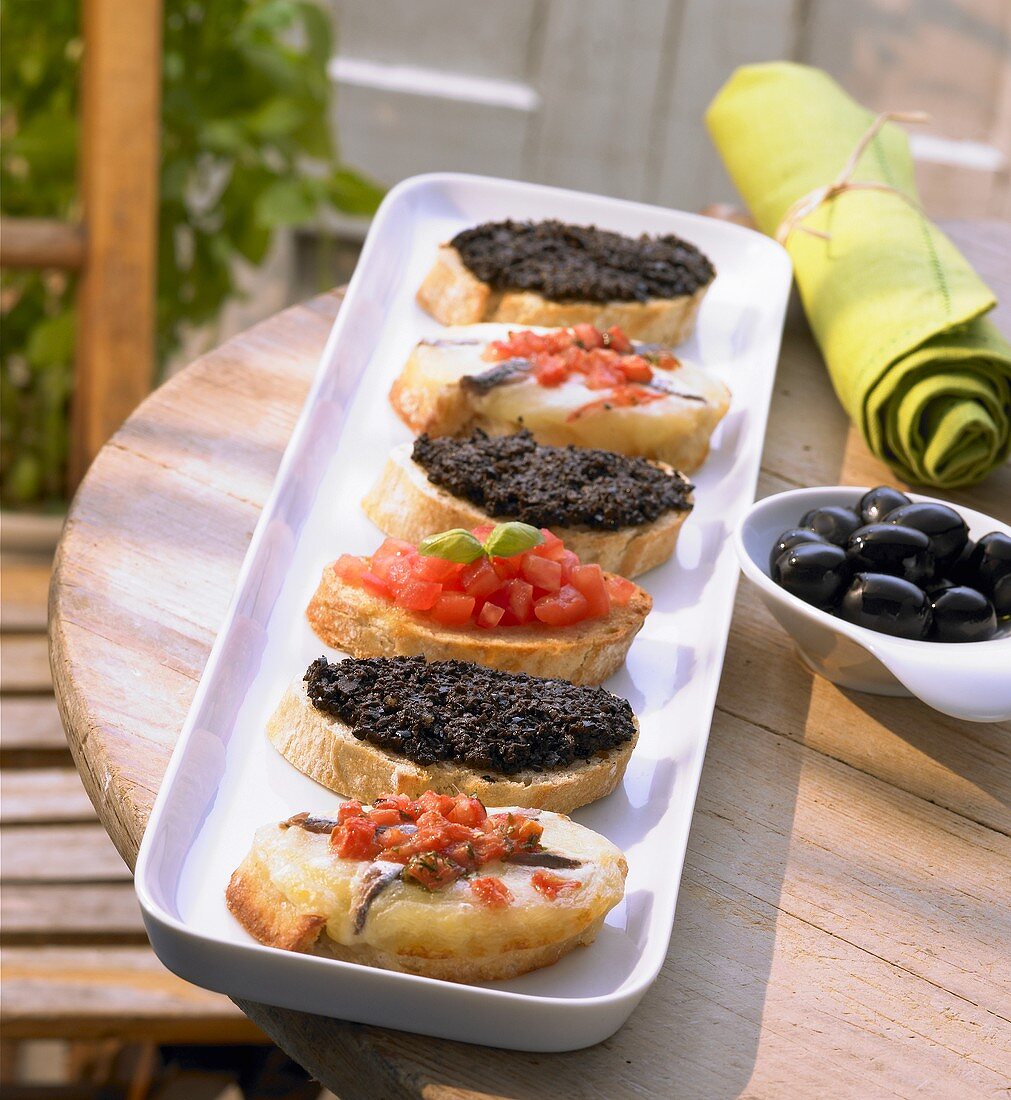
(895, 307)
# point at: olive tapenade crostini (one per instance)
(621, 512)
(436, 886)
(365, 727)
(579, 385)
(549, 273)
(507, 596)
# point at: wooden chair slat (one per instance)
(43, 794)
(41, 243)
(81, 913)
(31, 733)
(24, 663)
(125, 992)
(24, 592)
(59, 853)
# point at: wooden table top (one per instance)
(842, 928)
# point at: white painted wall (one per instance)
(608, 95)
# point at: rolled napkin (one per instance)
(895, 307)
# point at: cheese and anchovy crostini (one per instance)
(436, 886)
(579, 386)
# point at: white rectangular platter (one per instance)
(225, 780)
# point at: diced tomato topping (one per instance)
(350, 568)
(552, 371)
(436, 569)
(636, 369)
(568, 561)
(550, 885)
(467, 811)
(589, 580)
(385, 815)
(432, 870)
(588, 335)
(439, 838)
(376, 585)
(453, 608)
(418, 595)
(620, 589)
(542, 572)
(432, 802)
(351, 808)
(355, 839)
(479, 579)
(618, 341)
(552, 547)
(604, 360)
(566, 607)
(545, 584)
(520, 599)
(490, 615)
(492, 892)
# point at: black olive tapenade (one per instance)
(582, 263)
(493, 721)
(511, 475)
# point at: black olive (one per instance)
(815, 572)
(961, 570)
(887, 604)
(877, 503)
(962, 614)
(945, 528)
(991, 564)
(789, 539)
(832, 522)
(888, 548)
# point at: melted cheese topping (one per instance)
(408, 920)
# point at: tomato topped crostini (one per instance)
(508, 596)
(436, 885)
(579, 385)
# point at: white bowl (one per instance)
(969, 680)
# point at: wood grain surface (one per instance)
(841, 929)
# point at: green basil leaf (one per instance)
(509, 539)
(457, 545)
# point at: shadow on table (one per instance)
(975, 751)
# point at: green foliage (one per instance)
(246, 150)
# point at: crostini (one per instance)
(579, 385)
(362, 728)
(549, 273)
(435, 886)
(618, 511)
(509, 597)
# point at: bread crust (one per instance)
(355, 621)
(443, 936)
(453, 295)
(325, 750)
(406, 505)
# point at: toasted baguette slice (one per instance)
(435, 393)
(325, 749)
(453, 295)
(406, 505)
(353, 620)
(291, 892)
